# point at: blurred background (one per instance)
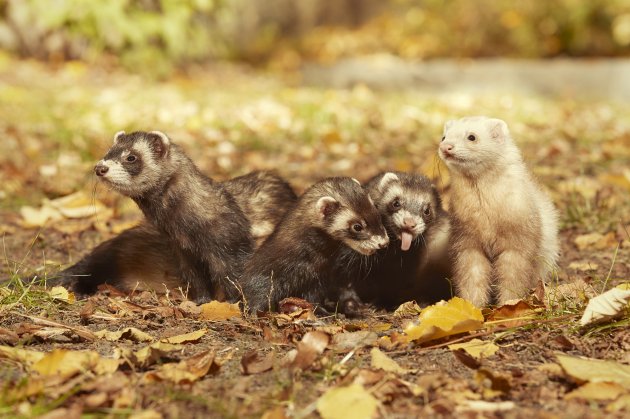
(314, 88)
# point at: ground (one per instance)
(57, 122)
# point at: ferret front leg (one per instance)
(472, 276)
(515, 275)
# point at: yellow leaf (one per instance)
(69, 363)
(60, 293)
(595, 370)
(130, 333)
(596, 241)
(23, 356)
(187, 337)
(597, 391)
(622, 403)
(77, 205)
(148, 355)
(476, 348)
(352, 402)
(410, 308)
(217, 310)
(385, 363)
(445, 319)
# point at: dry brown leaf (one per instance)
(596, 241)
(148, 355)
(583, 266)
(519, 311)
(217, 310)
(186, 338)
(309, 348)
(408, 309)
(129, 333)
(253, 363)
(345, 342)
(493, 384)
(186, 371)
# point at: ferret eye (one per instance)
(427, 210)
(131, 158)
(471, 137)
(396, 203)
(357, 227)
(443, 137)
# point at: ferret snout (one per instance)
(446, 148)
(382, 241)
(101, 169)
(409, 222)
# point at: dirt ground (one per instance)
(234, 121)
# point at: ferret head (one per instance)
(135, 163)
(473, 145)
(346, 212)
(408, 204)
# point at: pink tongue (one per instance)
(406, 240)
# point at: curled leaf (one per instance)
(606, 306)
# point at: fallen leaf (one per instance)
(292, 304)
(512, 315)
(186, 338)
(583, 266)
(597, 391)
(351, 402)
(595, 370)
(576, 291)
(445, 319)
(60, 293)
(309, 348)
(186, 371)
(622, 403)
(23, 356)
(348, 341)
(148, 355)
(253, 363)
(484, 406)
(77, 205)
(596, 241)
(408, 309)
(69, 363)
(476, 348)
(381, 361)
(493, 384)
(606, 306)
(130, 333)
(218, 310)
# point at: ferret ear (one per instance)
(498, 129)
(160, 142)
(448, 124)
(326, 205)
(118, 135)
(387, 178)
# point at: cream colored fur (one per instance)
(504, 225)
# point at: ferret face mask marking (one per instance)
(362, 233)
(131, 165)
(406, 210)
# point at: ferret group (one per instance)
(339, 245)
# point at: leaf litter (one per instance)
(210, 360)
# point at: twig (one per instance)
(84, 333)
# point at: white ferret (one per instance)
(504, 226)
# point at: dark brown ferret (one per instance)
(297, 260)
(144, 258)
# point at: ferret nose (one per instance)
(101, 169)
(409, 222)
(446, 147)
(384, 242)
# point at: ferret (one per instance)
(206, 229)
(504, 227)
(416, 264)
(144, 258)
(297, 260)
